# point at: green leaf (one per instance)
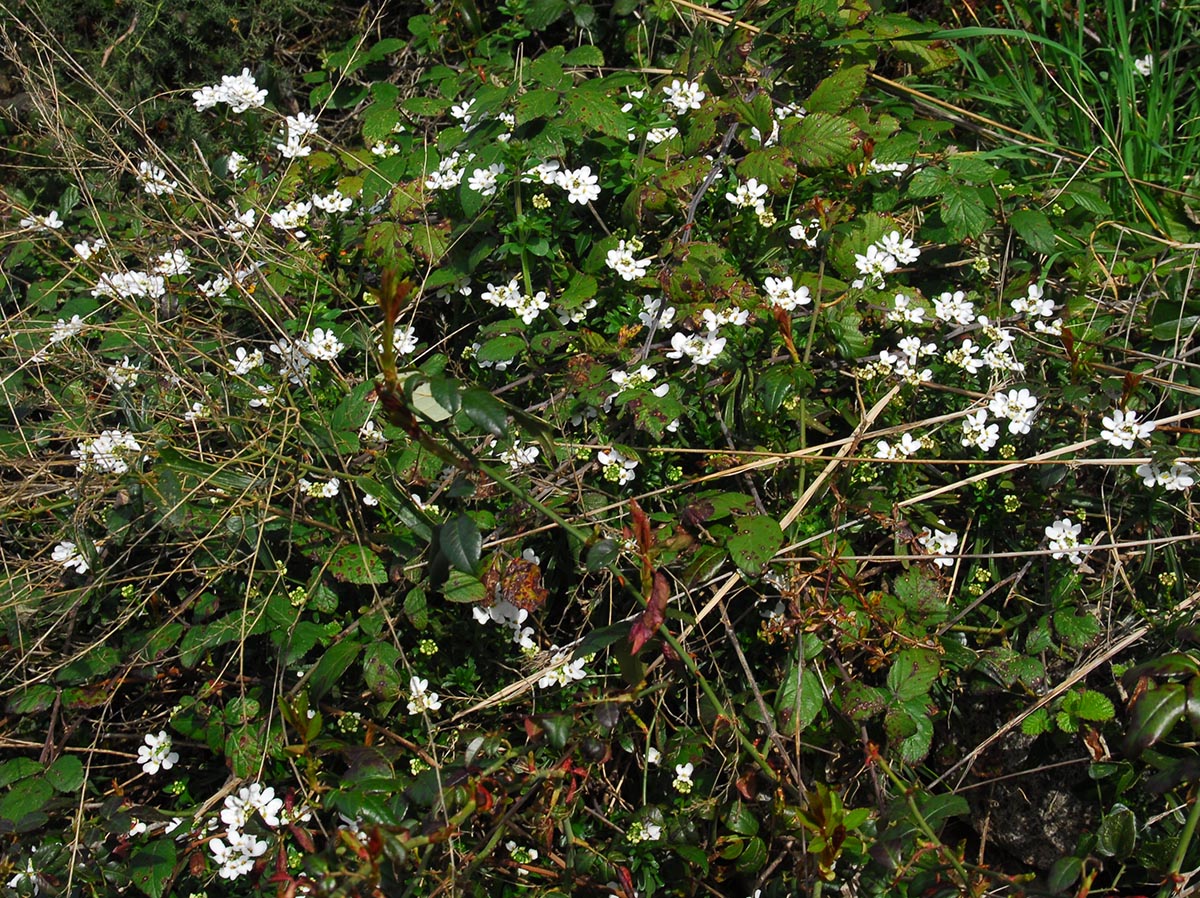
(37, 697)
(485, 411)
(501, 349)
(379, 122)
(820, 140)
(416, 609)
(1154, 716)
(536, 104)
(558, 728)
(461, 543)
(1092, 705)
(463, 588)
(541, 13)
(601, 554)
(1037, 723)
(929, 181)
(753, 857)
(24, 800)
(915, 747)
(379, 670)
(812, 699)
(152, 865)
(337, 658)
(584, 55)
(741, 820)
(755, 543)
(1063, 874)
(357, 565)
(964, 211)
(913, 673)
(838, 91)
(597, 112)
(19, 768)
(772, 166)
(693, 855)
(1076, 630)
(1117, 834)
(1034, 228)
(65, 774)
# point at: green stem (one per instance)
(1185, 842)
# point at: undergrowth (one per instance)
(605, 450)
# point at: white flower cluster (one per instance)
(1036, 307)
(292, 217)
(617, 468)
(333, 203)
(940, 543)
(485, 181)
(883, 257)
(509, 296)
(518, 456)
(623, 260)
(130, 285)
(85, 249)
(562, 669)
(808, 234)
(1063, 536)
(68, 555)
(320, 490)
(154, 180)
(1122, 428)
(581, 185)
(906, 448)
(123, 375)
(633, 380)
(49, 222)
(449, 173)
(978, 433)
(683, 778)
(107, 453)
(784, 294)
(239, 92)
(297, 130)
(896, 169)
(683, 95)
(1017, 406)
(297, 355)
(156, 754)
(420, 698)
(1175, 478)
(238, 852)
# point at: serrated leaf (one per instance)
(24, 800)
(461, 543)
(584, 55)
(379, 123)
(1034, 228)
(755, 543)
(17, 769)
(1037, 723)
(838, 91)
(485, 410)
(915, 747)
(964, 211)
(929, 181)
(821, 140)
(1092, 705)
(812, 699)
(357, 565)
(913, 673)
(65, 774)
(599, 113)
(772, 166)
(501, 349)
(541, 13)
(152, 866)
(539, 103)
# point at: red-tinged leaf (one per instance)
(654, 615)
(784, 321)
(532, 730)
(669, 653)
(1154, 716)
(625, 880)
(303, 838)
(641, 527)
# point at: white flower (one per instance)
(1017, 406)
(903, 249)
(519, 456)
(156, 754)
(173, 263)
(749, 195)
(462, 111)
(940, 543)
(332, 202)
(237, 226)
(238, 91)
(1122, 428)
(484, 180)
(130, 285)
(527, 307)
(684, 95)
(322, 344)
(954, 308)
(659, 135)
(1144, 65)
(234, 163)
(65, 330)
(907, 447)
(86, 249)
(108, 453)
(977, 432)
(621, 261)
(292, 217)
(653, 756)
(319, 490)
(563, 669)
(783, 294)
(240, 808)
(874, 264)
(807, 234)
(546, 172)
(154, 180)
(1178, 477)
(683, 778)
(68, 555)
(49, 222)
(616, 466)
(701, 349)
(1063, 535)
(243, 362)
(421, 699)
(197, 412)
(650, 308)
(238, 857)
(895, 169)
(581, 185)
(903, 310)
(123, 375)
(503, 295)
